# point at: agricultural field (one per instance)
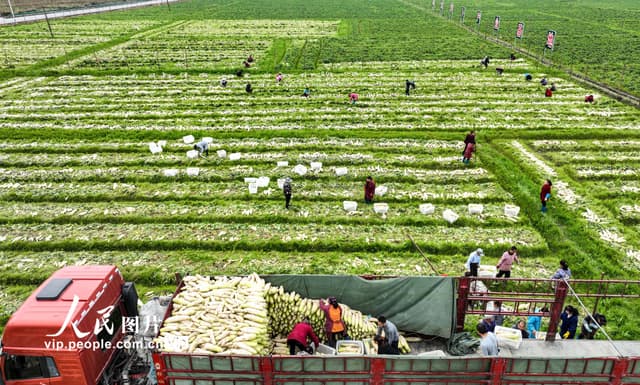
(79, 184)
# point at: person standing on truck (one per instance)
(369, 190)
(286, 190)
(387, 344)
(506, 261)
(473, 262)
(534, 322)
(522, 326)
(298, 338)
(334, 326)
(569, 323)
(563, 272)
(545, 194)
(202, 147)
(488, 342)
(488, 321)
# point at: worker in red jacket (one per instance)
(545, 194)
(369, 190)
(298, 338)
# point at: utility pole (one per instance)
(48, 24)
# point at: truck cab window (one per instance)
(51, 367)
(23, 367)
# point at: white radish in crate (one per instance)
(340, 171)
(316, 166)
(427, 208)
(154, 148)
(511, 210)
(222, 154)
(350, 205)
(193, 171)
(193, 154)
(235, 156)
(475, 208)
(300, 169)
(188, 139)
(171, 172)
(450, 216)
(253, 188)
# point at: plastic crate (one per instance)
(222, 154)
(340, 171)
(381, 208)
(300, 169)
(316, 166)
(475, 208)
(193, 171)
(450, 216)
(381, 190)
(207, 139)
(349, 347)
(427, 208)
(282, 163)
(253, 188)
(235, 156)
(350, 205)
(193, 154)
(188, 139)
(171, 172)
(281, 182)
(263, 181)
(154, 148)
(325, 350)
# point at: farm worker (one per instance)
(468, 152)
(543, 81)
(553, 87)
(569, 322)
(307, 92)
(522, 326)
(499, 71)
(369, 190)
(588, 99)
(563, 272)
(470, 138)
(512, 57)
(409, 85)
(485, 61)
(473, 262)
(223, 82)
(506, 261)
(279, 77)
(548, 93)
(202, 147)
(387, 344)
(286, 190)
(545, 194)
(334, 326)
(298, 338)
(353, 97)
(489, 323)
(528, 77)
(534, 322)
(250, 58)
(248, 88)
(488, 342)
(499, 318)
(590, 326)
(246, 64)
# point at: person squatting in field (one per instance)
(202, 147)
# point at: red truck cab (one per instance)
(67, 331)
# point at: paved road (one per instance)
(77, 12)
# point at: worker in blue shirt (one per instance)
(473, 262)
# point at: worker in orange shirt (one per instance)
(334, 325)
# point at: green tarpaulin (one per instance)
(423, 305)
